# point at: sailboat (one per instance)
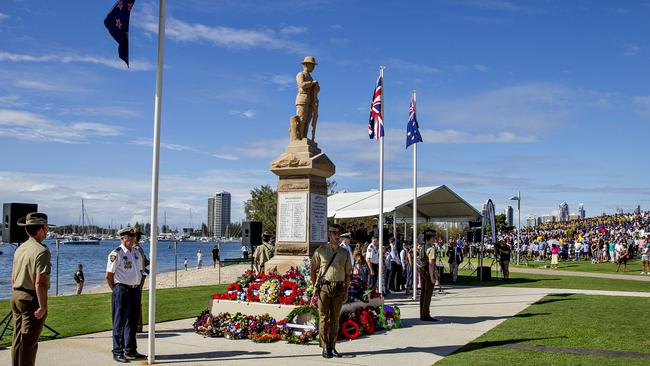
(82, 239)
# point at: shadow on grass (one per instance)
(475, 346)
(465, 280)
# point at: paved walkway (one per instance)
(465, 313)
(560, 272)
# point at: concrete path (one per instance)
(465, 314)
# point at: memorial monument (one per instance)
(303, 170)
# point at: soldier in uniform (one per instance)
(428, 275)
(124, 276)
(30, 279)
(263, 253)
(145, 262)
(307, 97)
(331, 269)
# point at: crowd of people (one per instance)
(608, 238)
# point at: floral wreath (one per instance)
(367, 322)
(269, 291)
(253, 292)
(289, 292)
(350, 329)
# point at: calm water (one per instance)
(94, 258)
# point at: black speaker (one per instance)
(251, 233)
(487, 273)
(11, 213)
(473, 224)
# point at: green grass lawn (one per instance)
(633, 266)
(569, 321)
(74, 315)
(552, 281)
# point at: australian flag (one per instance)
(117, 23)
(412, 128)
(376, 123)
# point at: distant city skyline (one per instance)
(219, 214)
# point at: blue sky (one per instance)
(547, 97)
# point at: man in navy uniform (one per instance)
(123, 275)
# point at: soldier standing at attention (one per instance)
(307, 97)
(123, 275)
(30, 279)
(333, 266)
(427, 269)
(263, 253)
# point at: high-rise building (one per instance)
(564, 212)
(581, 211)
(548, 218)
(574, 216)
(218, 214)
(510, 216)
(638, 209)
(531, 221)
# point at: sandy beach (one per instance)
(192, 277)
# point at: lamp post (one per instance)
(518, 199)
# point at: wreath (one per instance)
(289, 292)
(253, 292)
(302, 338)
(367, 322)
(350, 330)
(264, 337)
(269, 291)
(389, 317)
(291, 317)
(232, 291)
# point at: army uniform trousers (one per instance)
(27, 328)
(425, 295)
(329, 308)
(126, 312)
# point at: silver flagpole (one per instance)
(415, 211)
(380, 224)
(154, 186)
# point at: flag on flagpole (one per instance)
(117, 23)
(412, 128)
(376, 122)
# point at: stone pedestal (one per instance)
(302, 203)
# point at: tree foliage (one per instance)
(263, 206)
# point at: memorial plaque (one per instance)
(292, 216)
(318, 215)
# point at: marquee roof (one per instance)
(437, 203)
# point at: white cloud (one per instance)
(631, 50)
(336, 27)
(31, 126)
(642, 104)
(135, 65)
(518, 108)
(498, 5)
(11, 101)
(35, 85)
(180, 148)
(3, 17)
(292, 29)
(249, 113)
(283, 80)
(218, 35)
(412, 67)
(459, 137)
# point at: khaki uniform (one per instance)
(333, 290)
(427, 254)
(262, 254)
(31, 258)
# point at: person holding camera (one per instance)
(331, 268)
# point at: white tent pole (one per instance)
(380, 224)
(154, 186)
(415, 212)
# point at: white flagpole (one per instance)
(380, 224)
(154, 186)
(415, 211)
